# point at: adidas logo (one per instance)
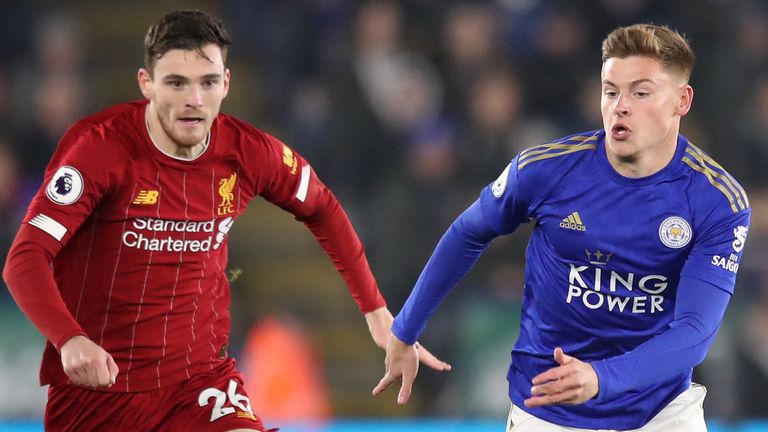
(573, 221)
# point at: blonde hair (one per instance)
(667, 46)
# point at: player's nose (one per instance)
(195, 97)
(621, 107)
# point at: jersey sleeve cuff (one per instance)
(603, 380)
(401, 334)
(371, 306)
(67, 336)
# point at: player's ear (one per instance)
(145, 83)
(685, 100)
(226, 82)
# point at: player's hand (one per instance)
(401, 362)
(572, 383)
(380, 323)
(87, 364)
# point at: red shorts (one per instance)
(216, 402)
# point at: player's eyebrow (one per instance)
(175, 77)
(633, 83)
(184, 79)
(213, 76)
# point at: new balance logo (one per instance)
(146, 197)
(573, 221)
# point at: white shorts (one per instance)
(684, 414)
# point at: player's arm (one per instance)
(296, 188)
(502, 206)
(29, 277)
(455, 254)
(698, 312)
(48, 226)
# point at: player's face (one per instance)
(185, 93)
(642, 103)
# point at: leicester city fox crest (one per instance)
(675, 232)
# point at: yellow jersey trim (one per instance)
(736, 198)
(555, 149)
(722, 174)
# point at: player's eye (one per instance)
(175, 84)
(610, 93)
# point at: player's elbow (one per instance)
(10, 262)
(701, 334)
(696, 324)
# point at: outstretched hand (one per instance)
(87, 364)
(573, 382)
(401, 362)
(380, 323)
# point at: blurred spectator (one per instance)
(749, 134)
(498, 127)
(751, 342)
(361, 146)
(54, 92)
(561, 42)
(471, 45)
(282, 373)
(412, 206)
(11, 205)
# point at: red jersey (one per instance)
(138, 242)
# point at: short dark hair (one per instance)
(658, 42)
(189, 30)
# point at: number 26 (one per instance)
(219, 410)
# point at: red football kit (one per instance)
(128, 245)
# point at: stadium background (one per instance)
(406, 109)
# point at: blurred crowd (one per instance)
(406, 109)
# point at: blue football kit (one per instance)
(631, 275)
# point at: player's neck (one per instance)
(166, 144)
(648, 161)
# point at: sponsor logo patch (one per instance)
(289, 159)
(573, 222)
(740, 232)
(146, 197)
(501, 183)
(66, 186)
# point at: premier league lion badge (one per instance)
(65, 186)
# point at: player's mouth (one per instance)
(191, 120)
(620, 131)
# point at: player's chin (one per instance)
(624, 151)
(189, 139)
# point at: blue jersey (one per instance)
(603, 268)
